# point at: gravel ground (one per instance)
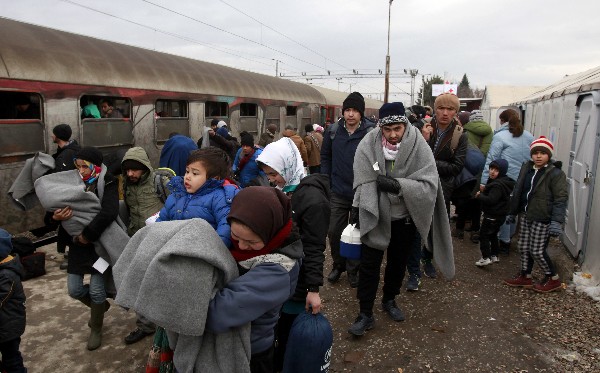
(473, 323)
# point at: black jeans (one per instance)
(12, 361)
(262, 362)
(488, 236)
(398, 251)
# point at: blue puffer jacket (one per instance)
(514, 149)
(211, 202)
(250, 170)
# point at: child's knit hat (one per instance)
(543, 144)
(5, 244)
(501, 165)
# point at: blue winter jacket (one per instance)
(250, 170)
(337, 156)
(211, 202)
(257, 295)
(175, 153)
(514, 149)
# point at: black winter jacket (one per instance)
(82, 257)
(495, 199)
(63, 157)
(12, 299)
(311, 210)
(449, 163)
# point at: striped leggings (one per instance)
(533, 246)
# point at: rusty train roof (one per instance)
(31, 52)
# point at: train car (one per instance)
(568, 113)
(50, 77)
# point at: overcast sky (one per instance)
(508, 42)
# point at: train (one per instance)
(48, 77)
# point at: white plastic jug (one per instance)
(350, 242)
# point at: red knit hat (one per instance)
(542, 143)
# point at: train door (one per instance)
(582, 163)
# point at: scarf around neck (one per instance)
(240, 255)
(96, 170)
(389, 150)
(245, 159)
(284, 157)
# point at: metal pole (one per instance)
(387, 57)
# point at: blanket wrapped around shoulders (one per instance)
(416, 171)
(22, 192)
(168, 273)
(55, 191)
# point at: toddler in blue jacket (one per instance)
(204, 192)
(267, 248)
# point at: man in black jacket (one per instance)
(449, 155)
(63, 160)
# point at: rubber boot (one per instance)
(96, 321)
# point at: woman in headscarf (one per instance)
(282, 163)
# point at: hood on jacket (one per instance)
(13, 263)
(288, 133)
(501, 165)
(478, 127)
(138, 154)
(320, 181)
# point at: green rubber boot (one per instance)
(96, 321)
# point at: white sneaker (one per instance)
(495, 259)
(483, 262)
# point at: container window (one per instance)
(106, 121)
(171, 109)
(21, 126)
(291, 111)
(216, 109)
(248, 110)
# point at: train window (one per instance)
(216, 109)
(106, 121)
(171, 108)
(248, 110)
(290, 111)
(20, 118)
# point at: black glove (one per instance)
(354, 217)
(388, 184)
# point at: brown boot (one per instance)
(96, 321)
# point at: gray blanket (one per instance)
(415, 170)
(22, 192)
(67, 189)
(168, 273)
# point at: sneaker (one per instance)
(495, 259)
(483, 262)
(520, 280)
(392, 309)
(548, 285)
(136, 336)
(413, 283)
(429, 269)
(361, 325)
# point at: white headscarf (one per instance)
(283, 156)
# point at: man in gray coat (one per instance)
(397, 193)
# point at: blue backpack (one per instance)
(309, 345)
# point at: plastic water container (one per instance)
(350, 243)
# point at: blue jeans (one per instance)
(506, 232)
(95, 289)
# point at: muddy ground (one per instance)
(470, 324)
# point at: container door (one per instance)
(582, 163)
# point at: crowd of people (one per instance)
(268, 208)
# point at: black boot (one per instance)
(503, 248)
(335, 274)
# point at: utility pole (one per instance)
(413, 73)
(387, 57)
(276, 67)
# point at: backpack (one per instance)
(162, 176)
(456, 134)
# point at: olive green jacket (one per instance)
(480, 134)
(141, 198)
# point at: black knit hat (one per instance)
(308, 128)
(63, 132)
(214, 122)
(90, 154)
(355, 101)
(132, 164)
(246, 139)
(392, 113)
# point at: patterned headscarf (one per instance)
(283, 156)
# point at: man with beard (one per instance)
(396, 193)
(63, 160)
(142, 202)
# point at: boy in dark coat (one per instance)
(12, 307)
(495, 200)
